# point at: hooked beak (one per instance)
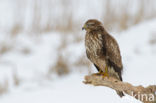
(84, 27)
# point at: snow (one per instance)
(69, 89)
(30, 56)
(138, 59)
(138, 55)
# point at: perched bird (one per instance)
(103, 50)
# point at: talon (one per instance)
(105, 74)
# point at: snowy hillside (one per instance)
(25, 67)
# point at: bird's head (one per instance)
(92, 24)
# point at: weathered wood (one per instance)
(144, 94)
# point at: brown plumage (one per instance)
(102, 50)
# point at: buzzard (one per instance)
(103, 51)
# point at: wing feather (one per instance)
(112, 51)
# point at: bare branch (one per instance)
(144, 94)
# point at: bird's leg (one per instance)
(105, 74)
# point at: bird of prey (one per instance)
(103, 50)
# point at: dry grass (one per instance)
(63, 21)
(16, 79)
(26, 51)
(3, 87)
(4, 48)
(120, 18)
(16, 29)
(83, 62)
(60, 68)
(152, 40)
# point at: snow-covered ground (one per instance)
(30, 57)
(67, 90)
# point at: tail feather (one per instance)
(121, 94)
(116, 72)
